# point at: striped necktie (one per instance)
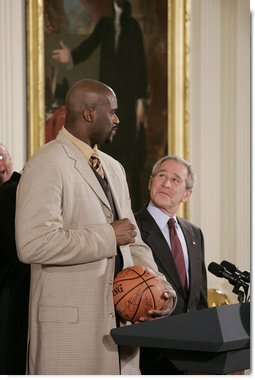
(96, 165)
(177, 253)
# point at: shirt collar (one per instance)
(161, 217)
(85, 149)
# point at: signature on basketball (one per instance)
(133, 302)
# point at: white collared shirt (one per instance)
(162, 219)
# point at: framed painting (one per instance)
(164, 25)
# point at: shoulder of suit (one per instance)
(144, 218)
(187, 223)
(139, 214)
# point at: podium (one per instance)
(213, 341)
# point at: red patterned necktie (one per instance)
(95, 163)
(177, 253)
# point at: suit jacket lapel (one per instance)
(83, 167)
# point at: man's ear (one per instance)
(187, 195)
(88, 114)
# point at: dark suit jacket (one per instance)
(197, 295)
(14, 288)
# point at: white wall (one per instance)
(220, 130)
(12, 79)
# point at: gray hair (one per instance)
(190, 180)
(5, 148)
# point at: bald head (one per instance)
(86, 92)
(88, 103)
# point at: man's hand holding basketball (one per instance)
(169, 305)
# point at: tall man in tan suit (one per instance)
(77, 230)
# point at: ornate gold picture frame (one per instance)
(178, 35)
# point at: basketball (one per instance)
(135, 291)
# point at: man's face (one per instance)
(5, 165)
(168, 187)
(106, 122)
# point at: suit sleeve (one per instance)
(89, 45)
(59, 221)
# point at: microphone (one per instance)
(245, 276)
(220, 271)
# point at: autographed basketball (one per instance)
(135, 291)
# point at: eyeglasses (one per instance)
(3, 157)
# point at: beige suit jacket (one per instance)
(63, 229)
